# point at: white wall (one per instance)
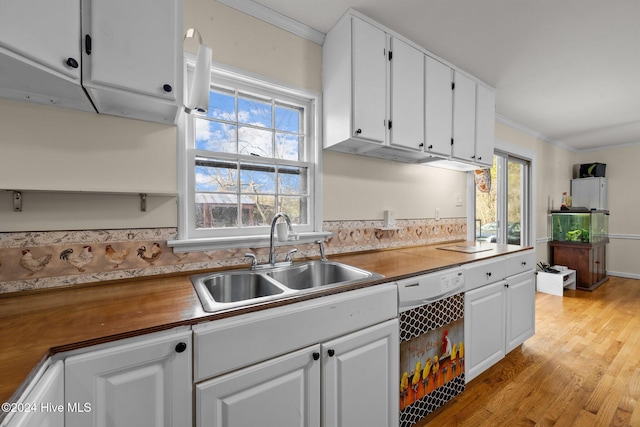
(624, 205)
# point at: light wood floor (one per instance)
(582, 367)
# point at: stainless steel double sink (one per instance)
(237, 288)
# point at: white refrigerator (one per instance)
(590, 193)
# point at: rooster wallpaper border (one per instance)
(42, 260)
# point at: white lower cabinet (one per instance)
(143, 382)
(350, 377)
(283, 391)
(360, 371)
(330, 361)
(484, 328)
(498, 318)
(43, 405)
(521, 309)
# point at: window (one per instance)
(253, 154)
(502, 214)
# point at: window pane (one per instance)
(255, 142)
(487, 205)
(254, 112)
(289, 147)
(215, 136)
(288, 118)
(257, 179)
(216, 175)
(257, 210)
(514, 201)
(222, 105)
(295, 208)
(216, 210)
(292, 180)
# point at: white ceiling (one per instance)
(567, 69)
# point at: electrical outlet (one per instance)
(437, 214)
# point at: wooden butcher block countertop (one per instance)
(36, 325)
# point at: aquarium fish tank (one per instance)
(580, 226)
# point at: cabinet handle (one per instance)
(180, 347)
(331, 352)
(359, 131)
(71, 63)
(316, 355)
(167, 88)
(87, 44)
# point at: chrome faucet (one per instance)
(272, 249)
(320, 243)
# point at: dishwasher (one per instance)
(431, 308)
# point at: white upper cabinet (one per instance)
(386, 97)
(485, 124)
(464, 117)
(438, 107)
(128, 56)
(407, 96)
(369, 81)
(132, 57)
(40, 53)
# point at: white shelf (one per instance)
(555, 283)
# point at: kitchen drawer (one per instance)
(228, 344)
(483, 273)
(521, 262)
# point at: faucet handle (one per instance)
(254, 260)
(289, 256)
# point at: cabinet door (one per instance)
(464, 117)
(438, 107)
(141, 383)
(407, 96)
(283, 392)
(598, 264)
(46, 32)
(46, 401)
(369, 61)
(134, 45)
(484, 328)
(360, 378)
(521, 308)
(485, 124)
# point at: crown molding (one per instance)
(277, 19)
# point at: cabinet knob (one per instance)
(331, 352)
(167, 88)
(524, 263)
(489, 274)
(421, 145)
(316, 355)
(180, 347)
(480, 158)
(71, 63)
(430, 147)
(358, 131)
(506, 285)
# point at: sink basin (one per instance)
(231, 289)
(319, 273)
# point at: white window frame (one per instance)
(527, 226)
(190, 238)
